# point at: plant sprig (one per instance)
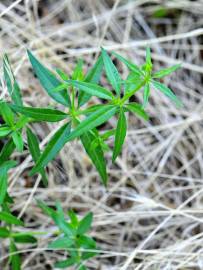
(72, 236)
(74, 93)
(79, 120)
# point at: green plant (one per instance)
(71, 237)
(9, 223)
(76, 91)
(80, 120)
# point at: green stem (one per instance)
(73, 99)
(131, 93)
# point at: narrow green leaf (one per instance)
(7, 114)
(132, 82)
(82, 267)
(86, 242)
(4, 167)
(66, 228)
(108, 134)
(93, 76)
(7, 165)
(146, 94)
(95, 154)
(91, 109)
(120, 134)
(66, 263)
(49, 81)
(4, 233)
(73, 218)
(166, 71)
(61, 243)
(129, 64)
(10, 219)
(8, 199)
(18, 140)
(62, 74)
(41, 114)
(34, 149)
(11, 83)
(3, 186)
(47, 210)
(14, 258)
(4, 131)
(137, 109)
(7, 150)
(148, 57)
(78, 72)
(60, 210)
(24, 238)
(52, 148)
(111, 72)
(60, 222)
(85, 224)
(22, 121)
(167, 92)
(92, 89)
(93, 120)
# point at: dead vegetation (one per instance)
(150, 217)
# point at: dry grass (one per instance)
(151, 215)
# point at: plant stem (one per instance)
(131, 93)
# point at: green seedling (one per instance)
(72, 237)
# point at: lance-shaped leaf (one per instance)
(4, 131)
(96, 154)
(73, 217)
(93, 76)
(129, 64)
(14, 257)
(87, 243)
(148, 58)
(4, 233)
(41, 114)
(146, 94)
(34, 149)
(7, 113)
(4, 168)
(7, 165)
(11, 83)
(111, 72)
(78, 72)
(10, 219)
(3, 186)
(167, 92)
(108, 134)
(49, 81)
(62, 74)
(93, 120)
(85, 224)
(7, 150)
(21, 122)
(58, 219)
(24, 238)
(18, 140)
(61, 243)
(92, 89)
(132, 82)
(52, 148)
(137, 109)
(66, 263)
(166, 71)
(120, 134)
